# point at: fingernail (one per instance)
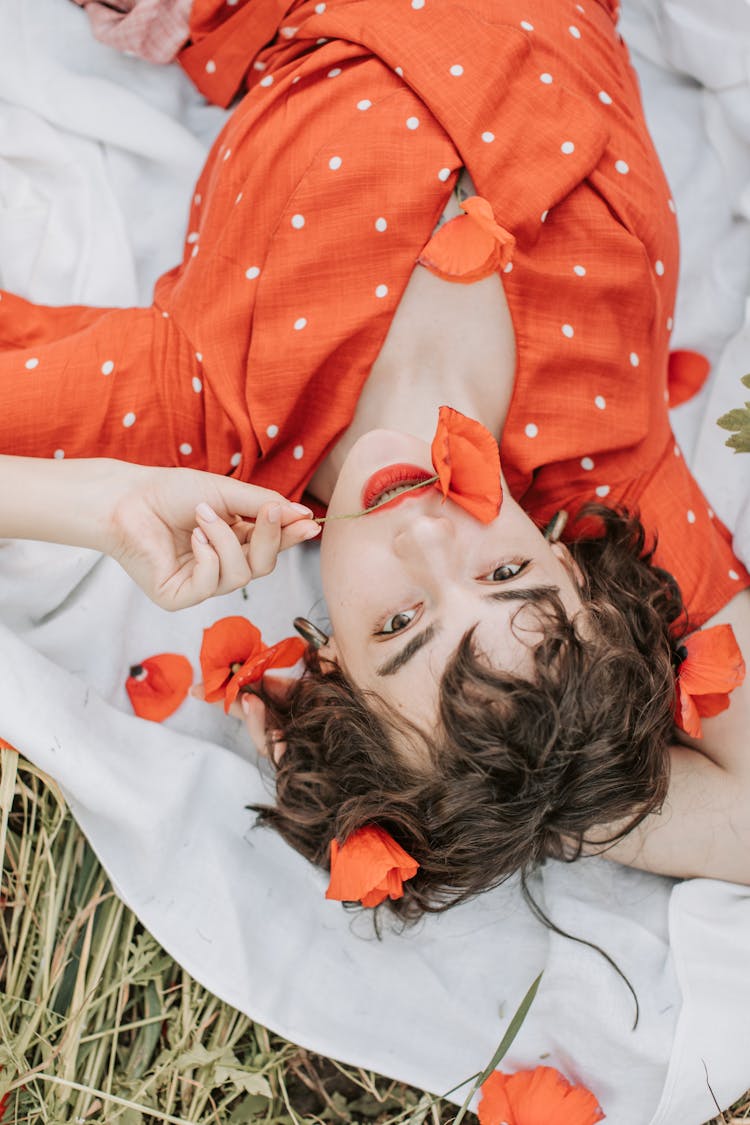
(206, 512)
(313, 531)
(245, 704)
(200, 535)
(273, 513)
(303, 511)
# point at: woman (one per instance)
(316, 324)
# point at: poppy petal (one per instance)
(158, 685)
(284, 654)
(467, 461)
(369, 867)
(536, 1097)
(686, 713)
(709, 705)
(687, 372)
(229, 641)
(469, 247)
(714, 662)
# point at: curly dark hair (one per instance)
(519, 769)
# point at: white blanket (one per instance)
(97, 157)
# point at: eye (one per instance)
(396, 622)
(505, 571)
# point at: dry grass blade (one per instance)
(98, 1024)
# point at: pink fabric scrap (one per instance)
(153, 29)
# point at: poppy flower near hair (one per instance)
(369, 867)
(283, 654)
(467, 461)
(541, 1096)
(158, 685)
(712, 668)
(233, 655)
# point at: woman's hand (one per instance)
(251, 710)
(182, 535)
(185, 535)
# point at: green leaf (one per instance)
(735, 419)
(243, 1080)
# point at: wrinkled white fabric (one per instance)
(97, 158)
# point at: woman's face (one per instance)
(403, 584)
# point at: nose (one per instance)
(425, 535)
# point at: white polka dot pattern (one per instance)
(381, 225)
(235, 460)
(412, 123)
(186, 449)
(531, 429)
(602, 490)
(488, 137)
(600, 402)
(272, 430)
(254, 272)
(298, 221)
(567, 147)
(587, 464)
(546, 78)
(59, 454)
(381, 291)
(690, 515)
(107, 367)
(30, 364)
(197, 385)
(335, 163)
(300, 323)
(298, 452)
(622, 167)
(568, 331)
(128, 420)
(456, 70)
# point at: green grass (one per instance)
(99, 1025)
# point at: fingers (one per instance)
(268, 743)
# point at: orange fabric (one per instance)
(536, 1097)
(159, 685)
(712, 668)
(315, 203)
(369, 867)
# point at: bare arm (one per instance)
(182, 535)
(704, 827)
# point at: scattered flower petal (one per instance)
(158, 685)
(541, 1096)
(687, 373)
(470, 246)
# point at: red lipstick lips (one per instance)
(392, 476)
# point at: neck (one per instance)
(448, 345)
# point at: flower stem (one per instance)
(374, 508)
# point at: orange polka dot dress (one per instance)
(313, 208)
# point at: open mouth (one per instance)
(392, 483)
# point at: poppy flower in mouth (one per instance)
(158, 685)
(536, 1097)
(467, 461)
(712, 667)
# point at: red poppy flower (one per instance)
(226, 646)
(369, 867)
(470, 246)
(536, 1097)
(281, 655)
(687, 372)
(467, 461)
(157, 686)
(712, 668)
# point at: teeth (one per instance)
(391, 492)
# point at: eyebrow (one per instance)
(412, 647)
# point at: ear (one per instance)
(563, 554)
